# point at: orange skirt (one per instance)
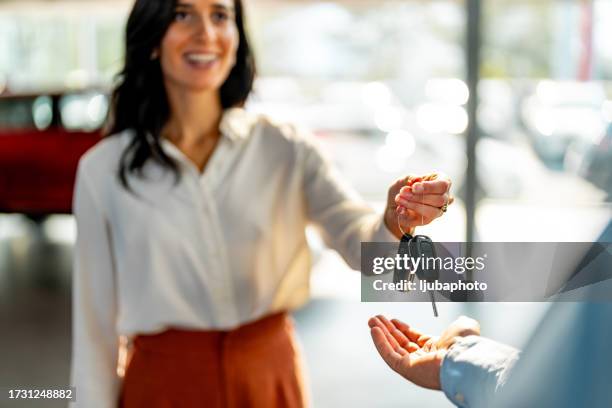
(255, 365)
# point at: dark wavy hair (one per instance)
(139, 101)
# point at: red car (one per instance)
(42, 138)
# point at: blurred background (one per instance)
(511, 98)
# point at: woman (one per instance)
(191, 217)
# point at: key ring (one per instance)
(399, 224)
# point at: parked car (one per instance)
(42, 137)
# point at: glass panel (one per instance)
(379, 82)
(61, 45)
(545, 159)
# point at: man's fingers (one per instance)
(390, 338)
(423, 339)
(401, 339)
(412, 347)
(408, 331)
(386, 351)
(386, 322)
(430, 345)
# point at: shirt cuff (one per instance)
(474, 369)
(380, 232)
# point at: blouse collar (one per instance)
(236, 125)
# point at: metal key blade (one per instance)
(433, 303)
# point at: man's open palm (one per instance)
(412, 354)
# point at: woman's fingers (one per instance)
(434, 200)
(427, 212)
(410, 179)
(439, 186)
(434, 183)
(420, 199)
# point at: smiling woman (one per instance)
(200, 271)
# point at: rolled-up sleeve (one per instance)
(475, 369)
(343, 218)
(95, 341)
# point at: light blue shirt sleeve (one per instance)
(568, 361)
(474, 369)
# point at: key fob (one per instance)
(416, 247)
(401, 274)
(423, 247)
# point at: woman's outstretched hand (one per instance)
(414, 355)
(416, 200)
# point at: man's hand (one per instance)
(463, 326)
(415, 201)
(414, 355)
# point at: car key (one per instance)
(419, 246)
(403, 274)
(422, 246)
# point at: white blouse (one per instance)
(219, 249)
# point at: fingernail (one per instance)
(407, 195)
(417, 188)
